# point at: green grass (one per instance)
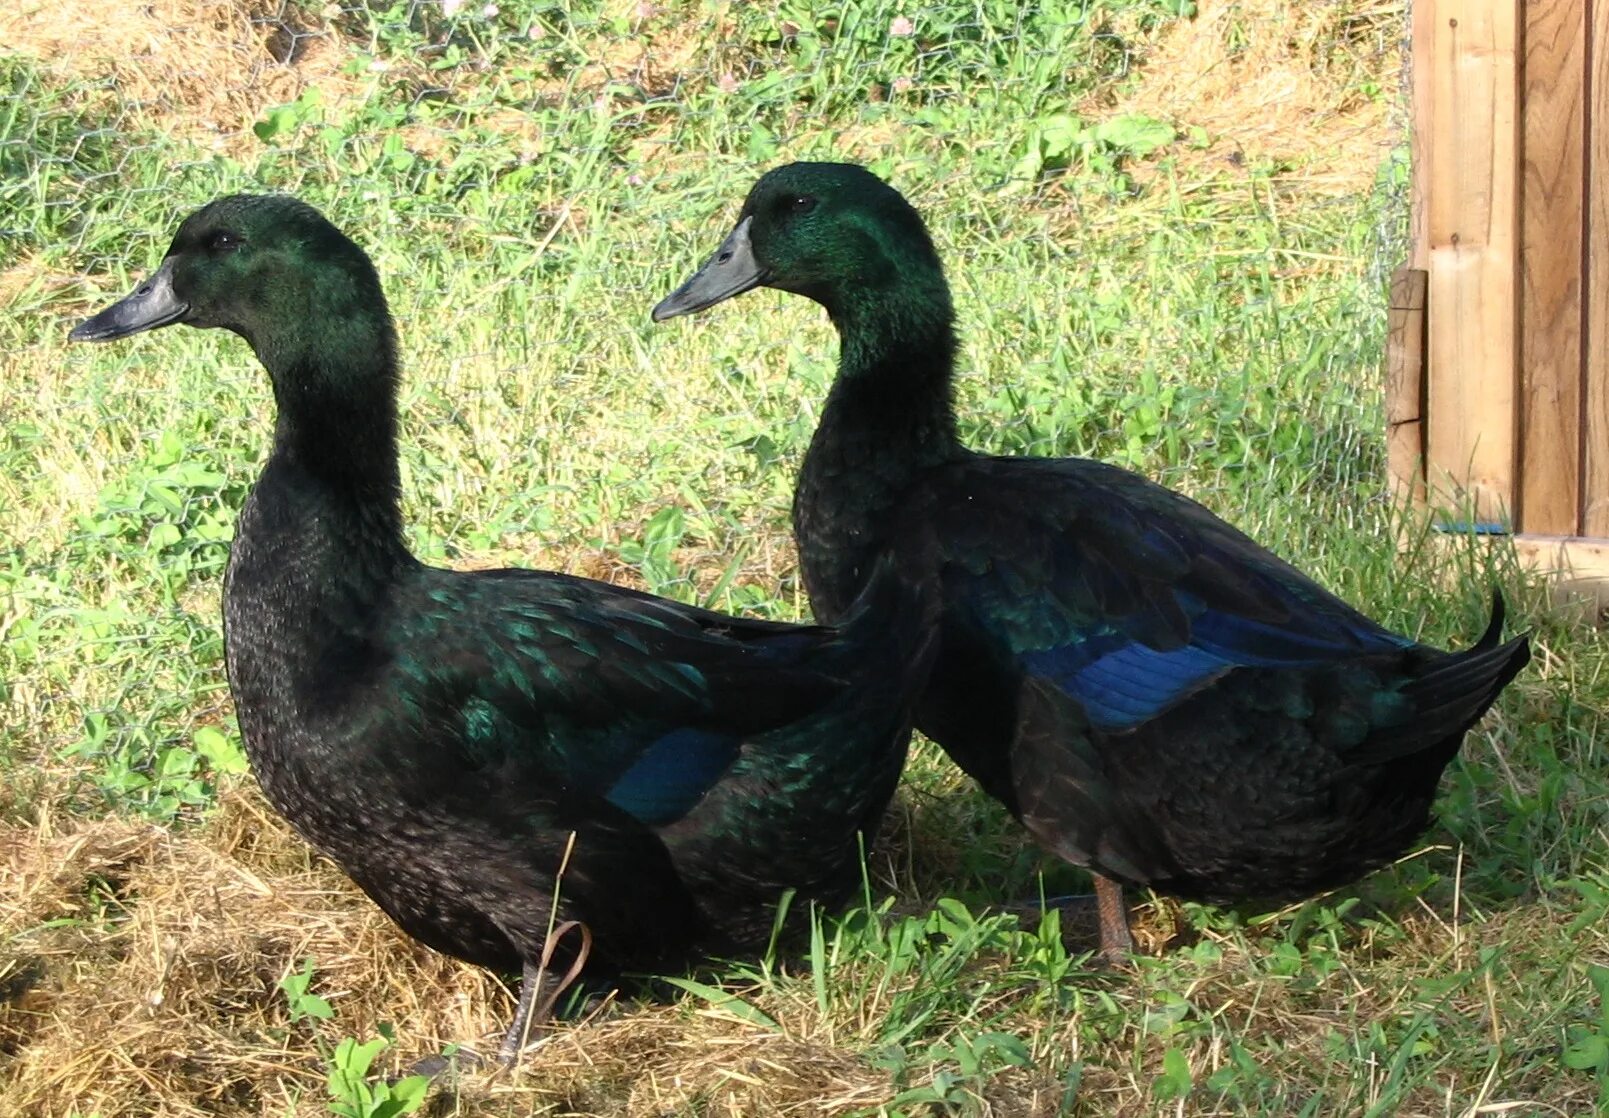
(1213, 326)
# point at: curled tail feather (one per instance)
(1452, 696)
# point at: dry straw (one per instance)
(141, 969)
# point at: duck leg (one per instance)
(1111, 910)
(1117, 944)
(531, 983)
(540, 990)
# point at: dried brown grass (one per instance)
(153, 955)
(139, 975)
(1269, 81)
(201, 69)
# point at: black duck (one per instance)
(451, 739)
(1154, 695)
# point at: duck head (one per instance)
(833, 232)
(267, 267)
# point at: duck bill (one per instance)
(731, 271)
(152, 304)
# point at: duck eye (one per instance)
(224, 241)
(801, 204)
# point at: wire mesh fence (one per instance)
(547, 147)
(1167, 225)
(1135, 197)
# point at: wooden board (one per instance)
(1578, 568)
(1405, 384)
(1595, 480)
(1552, 228)
(1572, 556)
(1472, 234)
(1421, 151)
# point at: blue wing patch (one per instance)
(1121, 683)
(1131, 684)
(670, 776)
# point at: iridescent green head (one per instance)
(833, 232)
(268, 267)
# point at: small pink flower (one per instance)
(902, 84)
(633, 180)
(536, 32)
(727, 83)
(490, 11)
(646, 11)
(901, 28)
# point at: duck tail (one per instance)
(1458, 688)
(1494, 628)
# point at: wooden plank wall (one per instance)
(1471, 231)
(1405, 384)
(1552, 232)
(1595, 482)
(1407, 347)
(1510, 224)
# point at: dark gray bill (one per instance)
(152, 304)
(731, 271)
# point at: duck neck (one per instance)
(889, 417)
(318, 552)
(345, 447)
(333, 477)
(893, 393)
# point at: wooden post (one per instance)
(1550, 263)
(1472, 233)
(1595, 483)
(1421, 131)
(1405, 384)
(1511, 224)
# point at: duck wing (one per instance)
(589, 692)
(1130, 598)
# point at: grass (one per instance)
(1204, 305)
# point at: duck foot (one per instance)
(463, 1058)
(540, 992)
